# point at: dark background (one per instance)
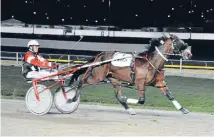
(122, 13)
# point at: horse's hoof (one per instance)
(131, 111)
(184, 111)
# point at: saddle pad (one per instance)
(122, 62)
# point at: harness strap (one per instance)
(146, 58)
(160, 73)
(132, 66)
(161, 54)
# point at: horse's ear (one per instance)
(171, 36)
(164, 38)
(154, 42)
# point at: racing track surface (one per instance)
(102, 120)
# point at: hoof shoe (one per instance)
(131, 111)
(184, 111)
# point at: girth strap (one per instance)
(132, 67)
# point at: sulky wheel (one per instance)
(63, 100)
(42, 106)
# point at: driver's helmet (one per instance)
(32, 42)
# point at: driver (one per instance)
(35, 66)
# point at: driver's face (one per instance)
(36, 48)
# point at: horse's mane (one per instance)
(154, 42)
(173, 36)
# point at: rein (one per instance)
(146, 58)
(173, 54)
(162, 55)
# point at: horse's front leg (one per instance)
(168, 94)
(141, 92)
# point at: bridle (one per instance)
(180, 53)
(169, 49)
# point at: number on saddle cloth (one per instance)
(122, 62)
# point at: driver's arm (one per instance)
(41, 62)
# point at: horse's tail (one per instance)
(79, 72)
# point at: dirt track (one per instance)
(102, 121)
(106, 121)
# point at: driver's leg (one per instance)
(43, 73)
(33, 74)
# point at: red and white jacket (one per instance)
(33, 62)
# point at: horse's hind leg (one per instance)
(98, 74)
(122, 99)
(165, 90)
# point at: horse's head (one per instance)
(180, 47)
(162, 44)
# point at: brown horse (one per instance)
(143, 69)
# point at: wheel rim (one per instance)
(61, 103)
(39, 107)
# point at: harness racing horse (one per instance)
(143, 69)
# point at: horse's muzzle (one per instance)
(187, 54)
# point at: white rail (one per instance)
(18, 56)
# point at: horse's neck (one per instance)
(157, 60)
